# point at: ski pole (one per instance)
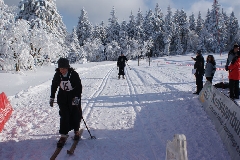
(92, 137)
(128, 66)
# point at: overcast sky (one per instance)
(99, 10)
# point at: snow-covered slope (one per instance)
(131, 118)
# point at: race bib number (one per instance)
(66, 85)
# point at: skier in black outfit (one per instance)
(121, 64)
(199, 66)
(68, 99)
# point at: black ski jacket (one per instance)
(121, 61)
(66, 94)
(199, 65)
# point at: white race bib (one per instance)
(66, 85)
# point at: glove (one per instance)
(75, 101)
(226, 68)
(212, 74)
(51, 102)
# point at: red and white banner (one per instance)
(5, 110)
(225, 114)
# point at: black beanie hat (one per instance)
(63, 63)
(235, 45)
(199, 51)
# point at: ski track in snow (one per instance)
(132, 119)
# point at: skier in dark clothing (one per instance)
(68, 99)
(121, 64)
(199, 67)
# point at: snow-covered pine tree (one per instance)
(178, 42)
(232, 28)
(184, 29)
(139, 31)
(74, 47)
(113, 28)
(43, 15)
(42, 12)
(204, 40)
(84, 28)
(103, 33)
(199, 24)
(168, 30)
(192, 41)
(93, 50)
(18, 46)
(131, 26)
(192, 23)
(148, 25)
(217, 28)
(7, 19)
(158, 33)
(123, 38)
(112, 51)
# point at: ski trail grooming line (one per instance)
(88, 107)
(136, 102)
(156, 80)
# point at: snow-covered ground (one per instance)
(131, 118)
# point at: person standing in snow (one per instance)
(231, 54)
(199, 67)
(68, 99)
(121, 63)
(234, 77)
(210, 68)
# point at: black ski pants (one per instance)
(121, 71)
(199, 82)
(70, 118)
(234, 88)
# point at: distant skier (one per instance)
(121, 63)
(68, 99)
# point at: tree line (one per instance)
(33, 34)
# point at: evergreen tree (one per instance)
(113, 50)
(131, 26)
(74, 47)
(113, 28)
(192, 24)
(123, 38)
(42, 13)
(232, 28)
(93, 50)
(204, 40)
(103, 33)
(84, 28)
(178, 43)
(139, 31)
(158, 38)
(168, 30)
(200, 23)
(184, 29)
(207, 22)
(216, 26)
(148, 25)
